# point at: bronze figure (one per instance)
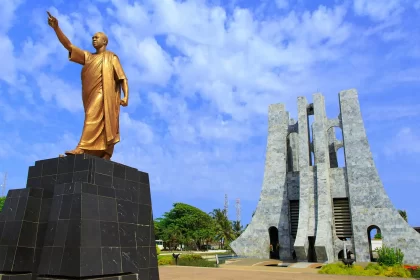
(102, 80)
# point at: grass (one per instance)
(186, 260)
(372, 269)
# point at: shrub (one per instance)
(378, 236)
(415, 273)
(390, 256)
(196, 262)
(186, 260)
(341, 269)
(157, 250)
(414, 270)
(369, 270)
(375, 268)
(165, 260)
(397, 271)
(190, 257)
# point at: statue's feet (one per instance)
(76, 151)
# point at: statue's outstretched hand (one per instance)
(52, 21)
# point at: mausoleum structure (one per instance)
(310, 208)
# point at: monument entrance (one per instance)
(274, 242)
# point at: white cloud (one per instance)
(20, 113)
(282, 4)
(51, 149)
(236, 73)
(65, 96)
(7, 18)
(378, 10)
(7, 14)
(405, 142)
(141, 131)
(156, 63)
(8, 67)
(95, 21)
(14, 147)
(394, 35)
(391, 112)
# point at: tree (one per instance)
(403, 214)
(223, 228)
(2, 200)
(185, 224)
(237, 228)
(158, 228)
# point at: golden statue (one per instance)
(102, 80)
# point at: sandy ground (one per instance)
(249, 273)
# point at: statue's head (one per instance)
(99, 40)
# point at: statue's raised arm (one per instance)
(53, 22)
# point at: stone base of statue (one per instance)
(79, 217)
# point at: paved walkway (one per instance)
(250, 273)
(268, 262)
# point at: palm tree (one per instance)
(223, 226)
(237, 228)
(173, 236)
(403, 214)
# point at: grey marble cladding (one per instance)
(293, 185)
(370, 205)
(291, 173)
(338, 180)
(273, 194)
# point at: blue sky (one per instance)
(201, 75)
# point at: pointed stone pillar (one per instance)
(324, 235)
(255, 241)
(306, 178)
(369, 203)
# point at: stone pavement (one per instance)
(250, 273)
(270, 262)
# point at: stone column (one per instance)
(273, 207)
(324, 235)
(332, 147)
(306, 181)
(293, 147)
(369, 203)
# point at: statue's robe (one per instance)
(102, 75)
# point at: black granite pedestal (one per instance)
(79, 217)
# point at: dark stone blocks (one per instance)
(23, 276)
(80, 216)
(133, 276)
(109, 234)
(20, 229)
(111, 260)
(107, 209)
